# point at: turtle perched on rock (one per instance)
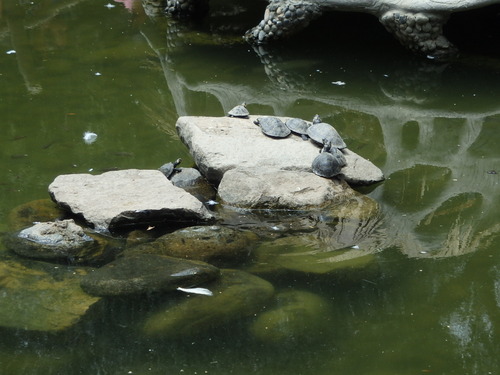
(319, 131)
(329, 162)
(273, 127)
(299, 127)
(240, 111)
(169, 169)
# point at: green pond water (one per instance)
(429, 299)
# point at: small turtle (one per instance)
(298, 126)
(317, 119)
(273, 127)
(239, 111)
(319, 131)
(329, 162)
(170, 168)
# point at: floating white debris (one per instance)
(355, 247)
(97, 74)
(338, 83)
(109, 5)
(203, 291)
(11, 52)
(211, 202)
(89, 137)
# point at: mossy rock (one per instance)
(40, 210)
(146, 273)
(308, 254)
(236, 295)
(297, 317)
(33, 299)
(206, 243)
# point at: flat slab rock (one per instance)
(127, 197)
(219, 144)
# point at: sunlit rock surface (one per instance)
(146, 273)
(298, 317)
(236, 294)
(219, 144)
(277, 188)
(33, 299)
(127, 197)
(212, 244)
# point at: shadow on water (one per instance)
(428, 302)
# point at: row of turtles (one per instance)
(329, 162)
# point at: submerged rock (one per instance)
(298, 317)
(419, 186)
(207, 243)
(280, 189)
(309, 253)
(36, 300)
(146, 273)
(32, 212)
(127, 197)
(236, 294)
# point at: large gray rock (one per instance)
(127, 197)
(276, 188)
(219, 144)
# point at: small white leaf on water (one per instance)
(97, 74)
(109, 6)
(11, 52)
(338, 83)
(203, 291)
(89, 137)
(355, 247)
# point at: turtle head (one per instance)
(316, 119)
(327, 145)
(177, 162)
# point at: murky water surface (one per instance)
(429, 300)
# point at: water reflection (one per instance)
(419, 110)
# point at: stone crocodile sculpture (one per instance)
(417, 24)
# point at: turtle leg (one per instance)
(186, 8)
(419, 32)
(283, 18)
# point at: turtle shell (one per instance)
(298, 126)
(273, 127)
(168, 169)
(239, 111)
(319, 132)
(329, 163)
